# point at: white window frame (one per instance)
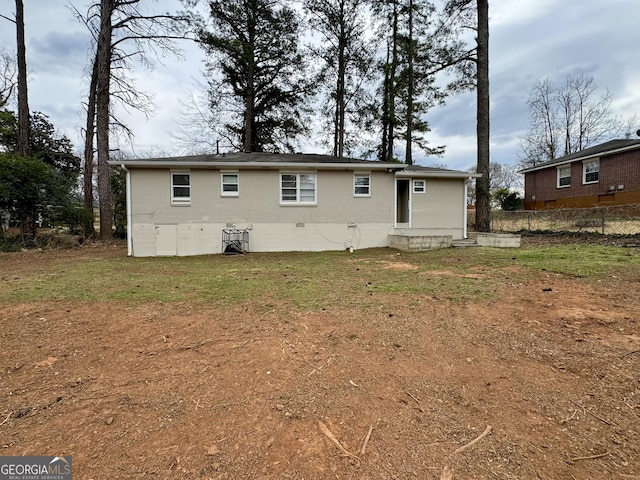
(559, 176)
(417, 189)
(180, 199)
(356, 186)
(229, 193)
(585, 166)
(299, 190)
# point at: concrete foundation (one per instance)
(418, 243)
(500, 240)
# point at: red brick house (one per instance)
(603, 175)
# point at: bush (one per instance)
(508, 200)
(75, 218)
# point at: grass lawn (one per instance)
(366, 365)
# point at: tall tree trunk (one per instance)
(483, 205)
(88, 145)
(408, 158)
(28, 224)
(250, 143)
(23, 147)
(386, 115)
(392, 85)
(103, 59)
(338, 142)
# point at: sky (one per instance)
(529, 40)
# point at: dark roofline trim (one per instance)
(435, 173)
(566, 161)
(271, 161)
(214, 165)
(257, 160)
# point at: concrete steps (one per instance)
(464, 243)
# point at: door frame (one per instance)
(403, 199)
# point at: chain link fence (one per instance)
(614, 220)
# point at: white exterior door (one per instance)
(166, 240)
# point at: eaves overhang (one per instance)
(436, 174)
(216, 165)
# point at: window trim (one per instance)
(558, 177)
(584, 171)
(366, 175)
(414, 185)
(298, 200)
(180, 200)
(224, 193)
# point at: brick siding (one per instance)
(620, 169)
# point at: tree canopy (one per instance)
(346, 56)
(257, 80)
(44, 143)
(28, 188)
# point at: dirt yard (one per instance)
(545, 375)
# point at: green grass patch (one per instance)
(310, 280)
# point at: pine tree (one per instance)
(415, 53)
(346, 56)
(257, 73)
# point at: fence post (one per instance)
(603, 218)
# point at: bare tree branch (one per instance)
(567, 118)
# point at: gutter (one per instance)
(129, 213)
(263, 165)
(464, 211)
(436, 174)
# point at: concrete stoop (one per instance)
(464, 243)
(418, 243)
(499, 240)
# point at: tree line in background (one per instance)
(568, 116)
(366, 72)
(369, 68)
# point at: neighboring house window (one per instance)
(230, 184)
(180, 188)
(298, 188)
(564, 176)
(591, 171)
(419, 186)
(362, 185)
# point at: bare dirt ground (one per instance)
(392, 391)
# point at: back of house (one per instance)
(263, 202)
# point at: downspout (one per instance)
(129, 214)
(464, 209)
(395, 200)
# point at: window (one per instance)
(590, 171)
(230, 184)
(564, 176)
(180, 188)
(362, 185)
(298, 188)
(419, 186)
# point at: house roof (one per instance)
(288, 160)
(604, 149)
(417, 170)
(258, 160)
